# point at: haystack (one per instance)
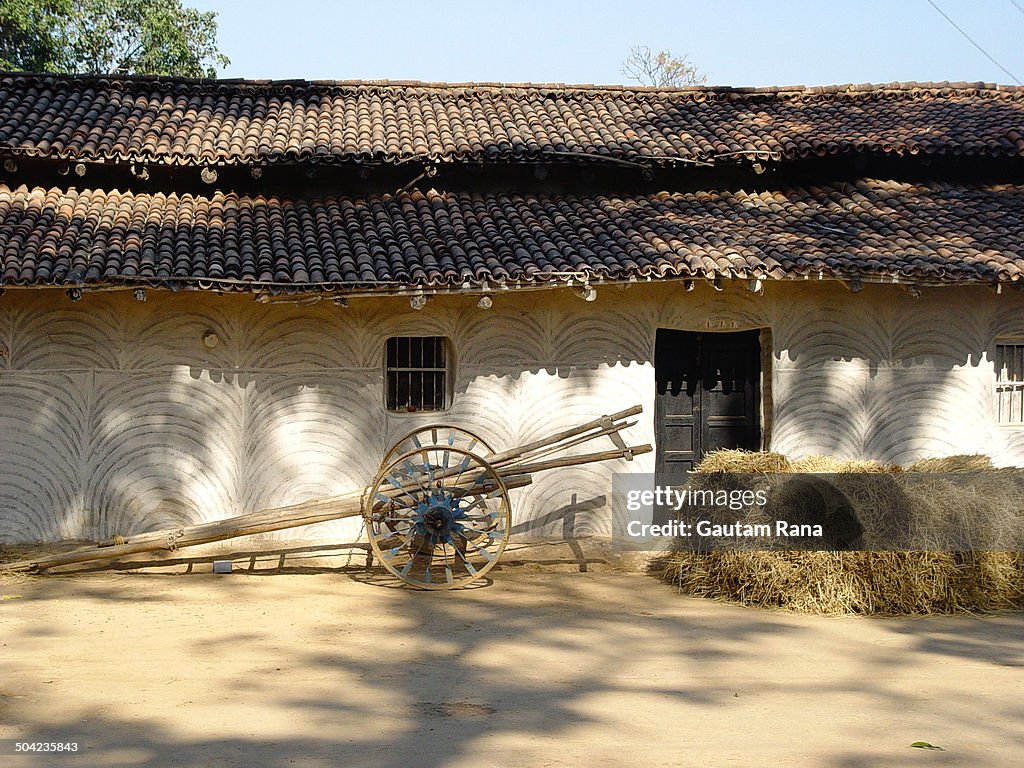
(867, 583)
(765, 462)
(953, 545)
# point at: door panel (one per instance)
(707, 397)
(677, 408)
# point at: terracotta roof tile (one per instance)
(204, 122)
(871, 229)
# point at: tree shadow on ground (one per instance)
(512, 670)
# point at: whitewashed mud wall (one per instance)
(115, 418)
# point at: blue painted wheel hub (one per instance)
(437, 517)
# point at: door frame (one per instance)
(763, 401)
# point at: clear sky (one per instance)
(771, 42)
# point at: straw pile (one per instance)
(890, 583)
(832, 465)
(869, 583)
(748, 462)
(959, 463)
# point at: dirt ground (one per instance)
(325, 666)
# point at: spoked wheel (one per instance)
(438, 517)
(438, 434)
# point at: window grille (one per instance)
(417, 373)
(1010, 383)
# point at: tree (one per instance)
(139, 37)
(660, 69)
(28, 40)
(146, 37)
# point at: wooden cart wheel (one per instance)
(438, 517)
(438, 434)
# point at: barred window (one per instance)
(1010, 383)
(416, 373)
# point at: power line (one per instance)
(971, 41)
(1018, 6)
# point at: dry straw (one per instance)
(958, 463)
(735, 460)
(837, 583)
(9, 554)
(887, 583)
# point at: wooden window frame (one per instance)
(1007, 416)
(417, 373)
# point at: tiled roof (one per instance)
(239, 122)
(871, 229)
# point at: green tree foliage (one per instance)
(660, 68)
(28, 34)
(141, 37)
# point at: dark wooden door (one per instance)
(707, 397)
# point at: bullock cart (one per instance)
(437, 515)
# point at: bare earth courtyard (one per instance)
(341, 668)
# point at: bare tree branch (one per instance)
(660, 69)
